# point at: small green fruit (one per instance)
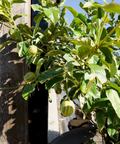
(30, 77)
(32, 49)
(67, 108)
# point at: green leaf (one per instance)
(118, 33)
(78, 74)
(37, 7)
(85, 47)
(15, 34)
(92, 29)
(74, 93)
(101, 103)
(100, 13)
(50, 83)
(70, 66)
(25, 35)
(4, 16)
(112, 116)
(108, 55)
(94, 60)
(42, 2)
(113, 132)
(104, 34)
(87, 82)
(26, 28)
(75, 23)
(76, 32)
(88, 4)
(69, 58)
(22, 48)
(72, 79)
(36, 59)
(37, 24)
(112, 8)
(55, 52)
(83, 86)
(72, 10)
(99, 72)
(89, 101)
(114, 98)
(117, 79)
(5, 44)
(49, 74)
(113, 68)
(82, 18)
(28, 89)
(100, 119)
(53, 13)
(113, 85)
(61, 3)
(39, 64)
(29, 59)
(93, 91)
(17, 1)
(89, 78)
(83, 51)
(18, 16)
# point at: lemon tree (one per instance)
(81, 59)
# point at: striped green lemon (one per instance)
(67, 108)
(32, 49)
(30, 77)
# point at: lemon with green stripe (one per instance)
(67, 108)
(30, 77)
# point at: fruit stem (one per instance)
(67, 88)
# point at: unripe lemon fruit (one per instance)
(67, 108)
(32, 49)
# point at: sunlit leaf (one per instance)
(69, 58)
(28, 89)
(22, 48)
(49, 74)
(53, 13)
(93, 91)
(99, 72)
(112, 8)
(61, 3)
(39, 64)
(88, 4)
(55, 52)
(72, 10)
(82, 18)
(37, 7)
(18, 16)
(17, 1)
(5, 44)
(114, 98)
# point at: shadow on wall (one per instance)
(13, 108)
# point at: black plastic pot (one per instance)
(76, 136)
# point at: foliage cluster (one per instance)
(80, 59)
